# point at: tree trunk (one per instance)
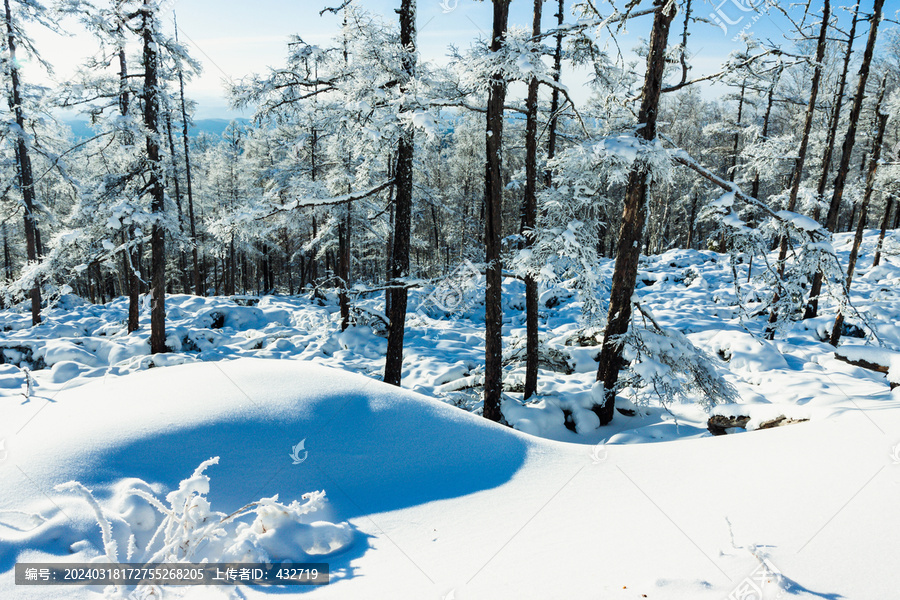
(232, 269)
(554, 99)
(801, 154)
(343, 268)
(812, 308)
(692, 219)
(393, 366)
(134, 285)
(882, 118)
(130, 257)
(732, 170)
(633, 217)
(155, 183)
(493, 198)
(888, 208)
(389, 249)
(23, 160)
(182, 259)
(529, 222)
(754, 190)
(198, 282)
(313, 265)
(245, 275)
(7, 256)
(268, 283)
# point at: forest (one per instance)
(689, 245)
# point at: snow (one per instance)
(425, 121)
(726, 200)
(472, 506)
(877, 356)
(799, 221)
(405, 494)
(746, 353)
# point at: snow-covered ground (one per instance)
(425, 500)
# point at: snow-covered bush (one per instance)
(809, 251)
(185, 528)
(666, 363)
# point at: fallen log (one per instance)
(872, 359)
(719, 424)
(780, 422)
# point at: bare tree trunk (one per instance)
(23, 160)
(7, 256)
(231, 278)
(245, 275)
(493, 199)
(888, 208)
(882, 118)
(393, 366)
(182, 259)
(732, 170)
(692, 219)
(801, 154)
(812, 308)
(554, 99)
(840, 180)
(155, 183)
(313, 265)
(198, 283)
(99, 277)
(754, 190)
(389, 250)
(343, 267)
(133, 258)
(529, 222)
(129, 256)
(633, 217)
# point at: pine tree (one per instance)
(633, 218)
(23, 154)
(399, 261)
(493, 199)
(529, 220)
(801, 153)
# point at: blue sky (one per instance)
(233, 38)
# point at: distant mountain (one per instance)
(81, 129)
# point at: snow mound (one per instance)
(746, 353)
(358, 433)
(188, 530)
